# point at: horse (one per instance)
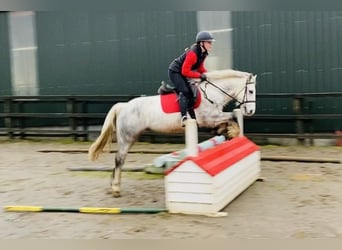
(129, 119)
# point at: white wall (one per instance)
(23, 53)
(219, 24)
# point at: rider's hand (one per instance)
(203, 77)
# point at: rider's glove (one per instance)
(203, 77)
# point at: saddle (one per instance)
(166, 88)
(169, 97)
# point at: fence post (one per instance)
(85, 121)
(8, 118)
(298, 110)
(72, 122)
(21, 120)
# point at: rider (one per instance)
(190, 64)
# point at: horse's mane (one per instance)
(226, 73)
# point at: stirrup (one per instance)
(183, 120)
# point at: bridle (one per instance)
(244, 98)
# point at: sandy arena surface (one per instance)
(296, 200)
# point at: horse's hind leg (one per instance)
(119, 162)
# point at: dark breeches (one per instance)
(181, 83)
(183, 90)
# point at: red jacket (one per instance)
(191, 63)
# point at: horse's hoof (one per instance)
(116, 191)
(116, 194)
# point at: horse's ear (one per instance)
(254, 78)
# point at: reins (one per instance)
(224, 92)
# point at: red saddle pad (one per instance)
(169, 102)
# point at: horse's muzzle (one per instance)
(248, 109)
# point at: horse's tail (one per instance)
(107, 131)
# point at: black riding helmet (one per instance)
(204, 36)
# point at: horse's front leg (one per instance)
(221, 128)
(233, 130)
(222, 120)
(226, 123)
(217, 120)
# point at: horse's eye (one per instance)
(250, 91)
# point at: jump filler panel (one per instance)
(205, 184)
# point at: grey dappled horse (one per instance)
(129, 119)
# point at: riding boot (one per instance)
(192, 113)
(183, 102)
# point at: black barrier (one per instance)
(80, 116)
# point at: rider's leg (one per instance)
(183, 93)
(183, 102)
(191, 112)
(191, 102)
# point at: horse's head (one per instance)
(247, 98)
(232, 85)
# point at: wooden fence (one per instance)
(73, 119)
(78, 120)
(302, 116)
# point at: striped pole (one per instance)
(87, 210)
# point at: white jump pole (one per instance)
(191, 137)
(238, 114)
(171, 159)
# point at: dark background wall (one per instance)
(5, 73)
(292, 52)
(128, 53)
(109, 52)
